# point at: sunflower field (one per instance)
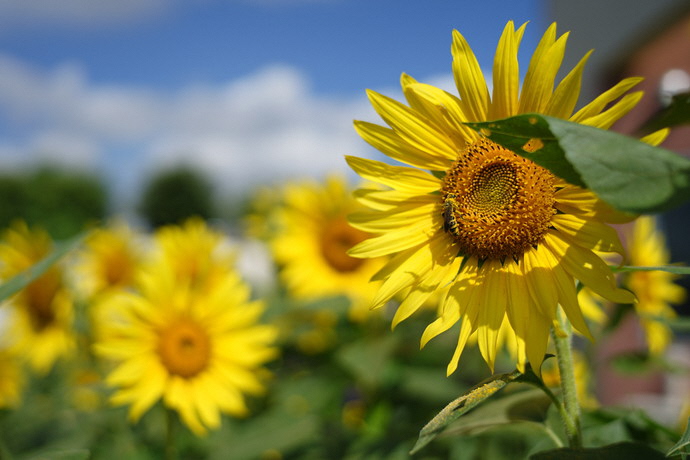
(459, 301)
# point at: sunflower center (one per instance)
(337, 238)
(118, 268)
(39, 297)
(184, 348)
(496, 204)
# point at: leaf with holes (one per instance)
(627, 173)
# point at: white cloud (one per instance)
(89, 13)
(263, 128)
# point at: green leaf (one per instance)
(676, 113)
(634, 363)
(527, 408)
(514, 133)
(619, 451)
(462, 405)
(21, 280)
(626, 173)
(679, 324)
(675, 269)
(682, 447)
(368, 359)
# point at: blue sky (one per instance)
(250, 91)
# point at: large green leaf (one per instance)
(21, 280)
(628, 174)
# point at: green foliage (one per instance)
(174, 195)
(628, 174)
(675, 114)
(620, 451)
(465, 403)
(682, 447)
(61, 202)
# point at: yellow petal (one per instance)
(469, 80)
(492, 309)
(584, 265)
(590, 234)
(421, 292)
(607, 118)
(537, 268)
(597, 105)
(411, 267)
(412, 128)
(657, 137)
(384, 200)
(402, 216)
(506, 74)
(450, 107)
(390, 143)
(538, 88)
(537, 341)
(397, 177)
(395, 241)
(564, 98)
(567, 295)
(466, 328)
(454, 304)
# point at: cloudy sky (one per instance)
(251, 91)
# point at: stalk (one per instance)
(571, 413)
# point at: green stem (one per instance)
(170, 432)
(564, 355)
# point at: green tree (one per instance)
(173, 195)
(59, 201)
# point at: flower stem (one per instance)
(571, 415)
(170, 432)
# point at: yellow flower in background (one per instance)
(11, 379)
(506, 236)
(195, 253)
(312, 243)
(655, 290)
(40, 318)
(198, 350)
(109, 260)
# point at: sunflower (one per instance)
(655, 290)
(503, 236)
(198, 350)
(312, 242)
(195, 253)
(40, 320)
(109, 260)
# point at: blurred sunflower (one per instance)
(109, 260)
(655, 290)
(506, 236)
(312, 243)
(41, 314)
(198, 350)
(195, 253)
